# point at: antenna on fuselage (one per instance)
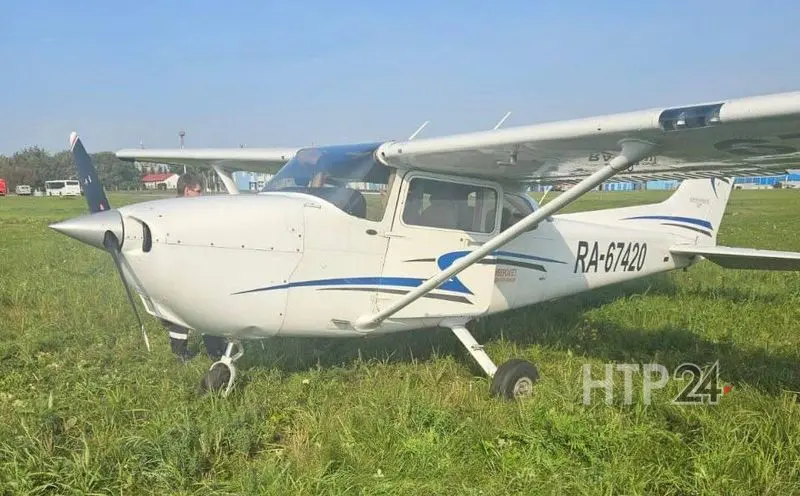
(419, 129)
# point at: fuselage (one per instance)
(293, 264)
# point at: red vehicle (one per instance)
(3, 190)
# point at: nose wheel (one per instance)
(222, 373)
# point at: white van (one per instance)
(22, 189)
(68, 187)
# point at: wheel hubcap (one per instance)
(523, 387)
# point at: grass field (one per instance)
(84, 409)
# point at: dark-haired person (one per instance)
(189, 185)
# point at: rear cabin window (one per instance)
(447, 205)
(515, 208)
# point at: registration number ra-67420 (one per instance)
(616, 256)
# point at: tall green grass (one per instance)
(84, 409)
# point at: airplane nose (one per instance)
(91, 229)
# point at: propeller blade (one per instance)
(87, 175)
(111, 243)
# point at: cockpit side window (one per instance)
(448, 205)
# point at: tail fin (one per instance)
(697, 205)
(87, 175)
(694, 210)
(703, 199)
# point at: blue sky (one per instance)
(294, 73)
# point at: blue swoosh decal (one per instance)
(410, 282)
(443, 262)
(447, 259)
(690, 228)
(688, 220)
(525, 256)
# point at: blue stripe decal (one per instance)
(443, 262)
(527, 257)
(447, 259)
(410, 282)
(695, 229)
(688, 220)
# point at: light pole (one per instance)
(182, 134)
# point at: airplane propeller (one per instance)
(111, 244)
(103, 227)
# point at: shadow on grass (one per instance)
(557, 325)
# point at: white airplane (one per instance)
(455, 237)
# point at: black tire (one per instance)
(514, 379)
(215, 379)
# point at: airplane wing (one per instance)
(747, 136)
(268, 160)
(741, 137)
(742, 258)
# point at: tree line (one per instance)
(34, 165)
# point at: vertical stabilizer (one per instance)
(694, 211)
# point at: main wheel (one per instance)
(216, 379)
(514, 379)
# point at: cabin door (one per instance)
(437, 221)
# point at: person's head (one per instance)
(189, 185)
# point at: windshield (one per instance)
(344, 175)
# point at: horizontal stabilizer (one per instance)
(742, 258)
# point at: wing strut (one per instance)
(632, 152)
(227, 180)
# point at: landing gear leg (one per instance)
(512, 380)
(222, 373)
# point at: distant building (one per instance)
(618, 186)
(160, 181)
(250, 181)
(791, 180)
(663, 184)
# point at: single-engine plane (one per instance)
(454, 234)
